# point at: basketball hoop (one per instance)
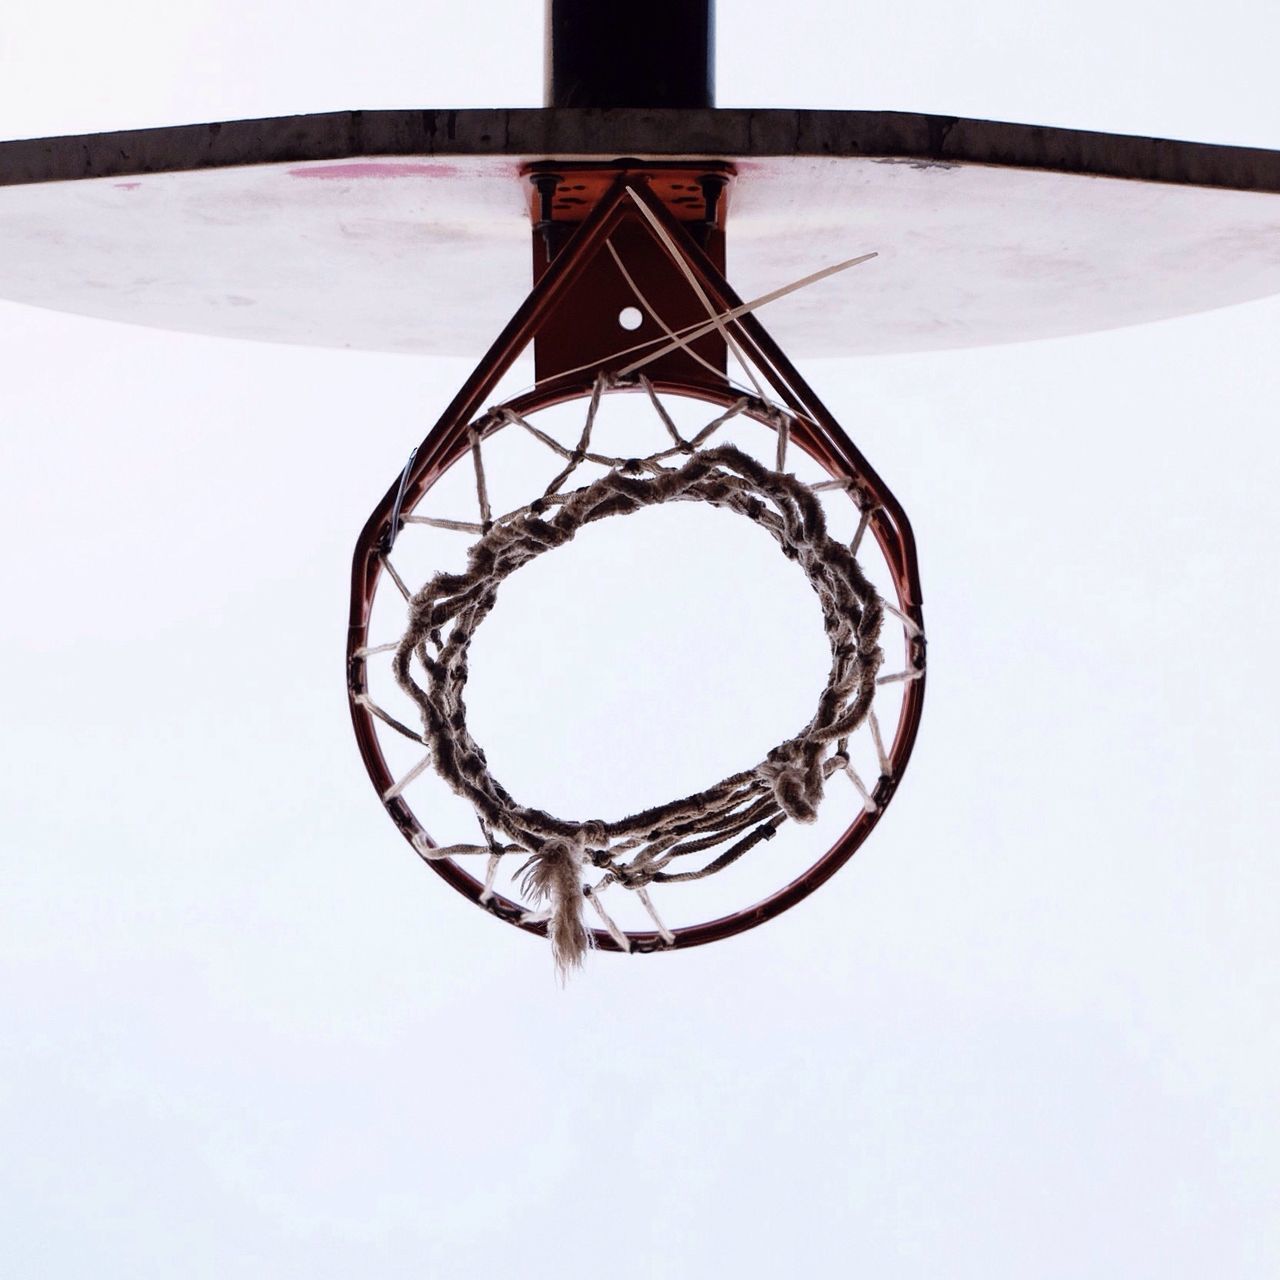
(618, 194)
(633, 248)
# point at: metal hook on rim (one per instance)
(395, 524)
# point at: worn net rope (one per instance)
(698, 834)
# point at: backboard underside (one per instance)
(397, 238)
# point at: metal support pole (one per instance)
(630, 53)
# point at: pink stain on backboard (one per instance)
(127, 186)
(375, 169)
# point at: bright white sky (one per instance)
(1029, 1031)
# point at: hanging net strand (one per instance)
(703, 832)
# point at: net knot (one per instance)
(592, 835)
(797, 786)
(630, 877)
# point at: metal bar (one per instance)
(726, 133)
(630, 53)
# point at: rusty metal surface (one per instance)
(586, 327)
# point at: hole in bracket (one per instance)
(630, 318)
